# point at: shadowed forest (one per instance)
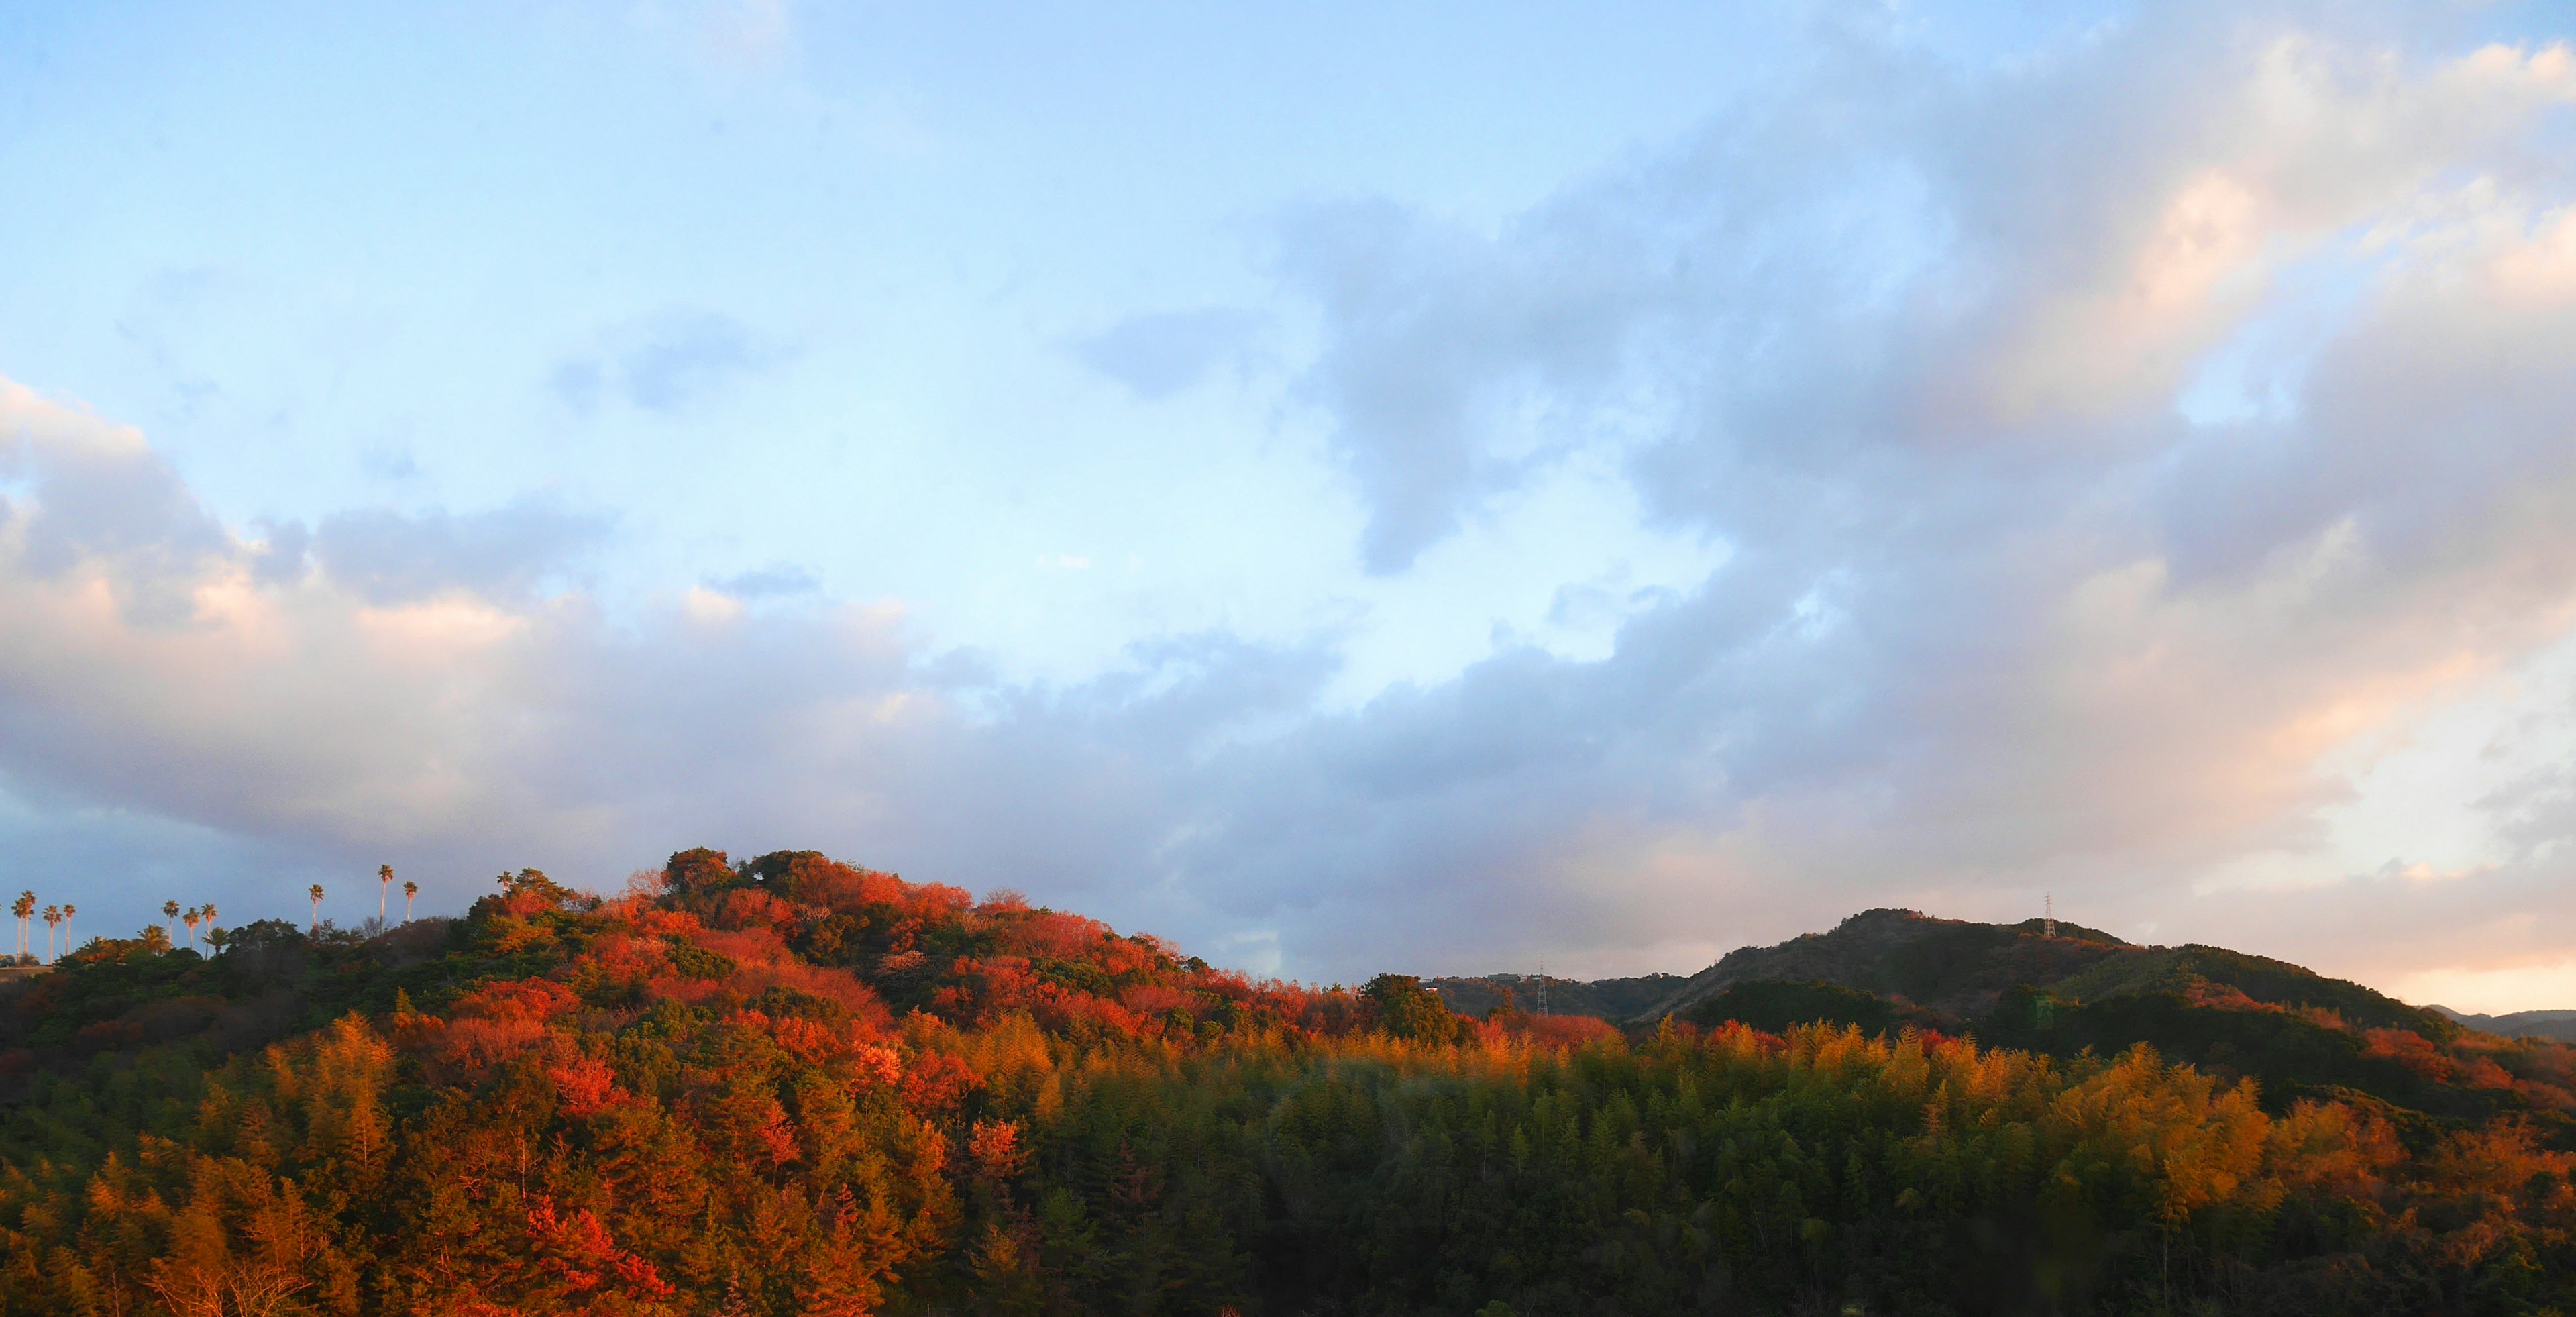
(792, 1086)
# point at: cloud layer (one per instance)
(2116, 454)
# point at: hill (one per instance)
(1601, 999)
(2560, 1025)
(2077, 990)
(789, 1086)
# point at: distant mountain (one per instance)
(2077, 989)
(1602, 999)
(2560, 1025)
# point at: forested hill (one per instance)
(2069, 989)
(793, 1086)
(1615, 1000)
(2560, 1025)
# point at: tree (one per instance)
(190, 918)
(384, 885)
(53, 919)
(207, 912)
(1406, 1009)
(25, 909)
(410, 890)
(170, 912)
(315, 892)
(68, 911)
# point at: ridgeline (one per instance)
(793, 1086)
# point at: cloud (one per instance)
(665, 363)
(778, 580)
(1995, 614)
(1163, 353)
(390, 557)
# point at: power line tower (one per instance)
(2048, 909)
(1542, 987)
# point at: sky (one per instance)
(1343, 487)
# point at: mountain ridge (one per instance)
(788, 1085)
(2070, 990)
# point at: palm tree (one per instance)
(384, 884)
(170, 911)
(315, 891)
(68, 911)
(410, 890)
(53, 917)
(25, 910)
(190, 918)
(207, 913)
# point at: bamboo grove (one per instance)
(792, 1086)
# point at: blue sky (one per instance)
(1346, 488)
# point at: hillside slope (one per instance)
(2560, 1025)
(2076, 990)
(791, 1086)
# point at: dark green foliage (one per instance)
(1615, 1000)
(1778, 1006)
(1401, 1007)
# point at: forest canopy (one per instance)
(791, 1085)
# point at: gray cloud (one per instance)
(394, 557)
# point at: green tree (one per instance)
(1403, 1008)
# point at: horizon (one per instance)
(1341, 490)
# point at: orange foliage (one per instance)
(579, 1252)
(1552, 1030)
(586, 1087)
(512, 1000)
(994, 1147)
(936, 1081)
(2411, 1050)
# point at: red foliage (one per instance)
(872, 1065)
(1156, 998)
(2411, 1050)
(510, 1000)
(751, 908)
(937, 1081)
(995, 1148)
(1050, 935)
(472, 1048)
(587, 1087)
(754, 945)
(580, 1253)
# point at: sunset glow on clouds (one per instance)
(1670, 505)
